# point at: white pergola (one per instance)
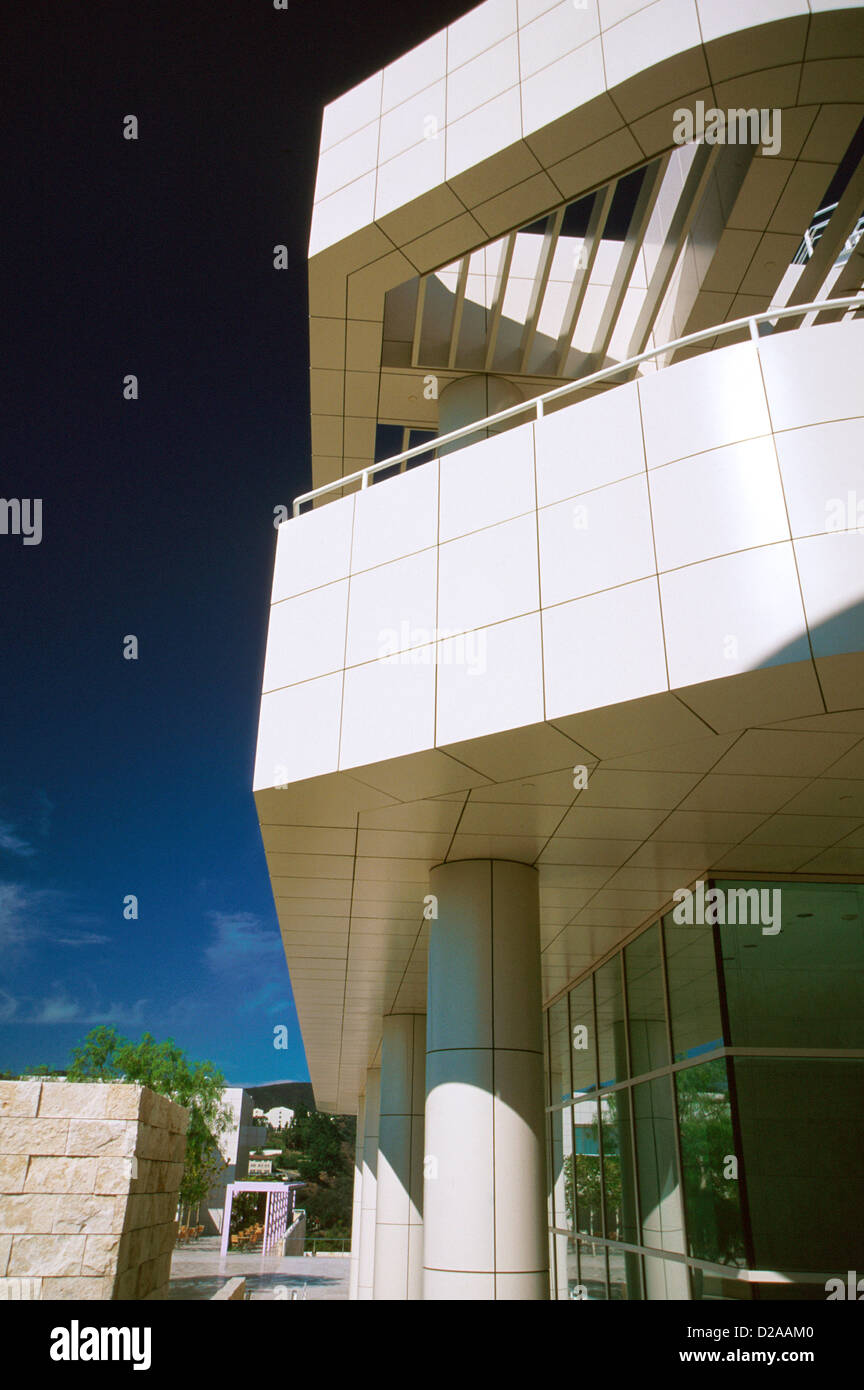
(277, 1213)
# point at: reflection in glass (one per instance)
(646, 1007)
(694, 1001)
(592, 1269)
(559, 1053)
(625, 1280)
(797, 981)
(582, 1037)
(611, 1039)
(585, 1168)
(559, 1263)
(711, 1191)
(665, 1280)
(660, 1200)
(802, 1127)
(572, 1289)
(618, 1185)
(562, 1167)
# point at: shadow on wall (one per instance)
(839, 635)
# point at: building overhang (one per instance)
(561, 646)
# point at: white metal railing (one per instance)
(538, 403)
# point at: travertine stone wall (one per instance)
(89, 1177)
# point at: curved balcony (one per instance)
(623, 641)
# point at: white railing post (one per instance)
(754, 330)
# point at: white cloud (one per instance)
(241, 940)
(28, 915)
(8, 1006)
(60, 1007)
(13, 915)
(12, 842)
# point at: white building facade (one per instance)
(560, 765)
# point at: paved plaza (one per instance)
(198, 1271)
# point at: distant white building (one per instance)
(235, 1145)
(280, 1117)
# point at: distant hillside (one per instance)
(286, 1093)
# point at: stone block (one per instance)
(74, 1221)
(48, 1174)
(33, 1136)
(77, 1287)
(78, 1215)
(179, 1119)
(124, 1101)
(113, 1176)
(101, 1138)
(161, 1145)
(150, 1277)
(162, 1113)
(25, 1213)
(44, 1255)
(166, 1238)
(145, 1179)
(101, 1254)
(139, 1211)
(19, 1098)
(167, 1177)
(26, 1290)
(131, 1250)
(73, 1100)
(126, 1284)
(164, 1207)
(13, 1172)
(156, 1110)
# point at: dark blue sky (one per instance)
(154, 257)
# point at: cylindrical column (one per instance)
(368, 1196)
(472, 398)
(484, 1227)
(354, 1272)
(399, 1207)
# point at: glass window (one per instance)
(694, 1000)
(712, 1287)
(802, 1133)
(625, 1277)
(559, 1053)
(646, 1007)
(711, 1189)
(592, 1269)
(585, 1163)
(618, 1185)
(611, 1033)
(661, 1206)
(793, 962)
(573, 1285)
(583, 1038)
(562, 1167)
(665, 1280)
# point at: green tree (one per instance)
(163, 1067)
(95, 1059)
(321, 1149)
